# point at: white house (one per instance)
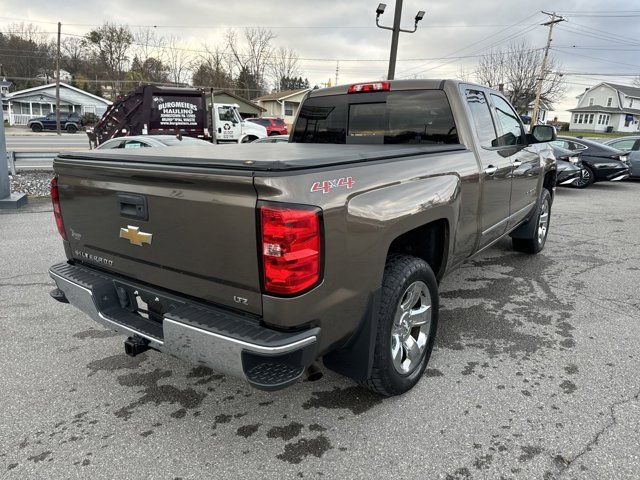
(34, 102)
(283, 104)
(607, 106)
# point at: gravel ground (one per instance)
(33, 183)
(534, 376)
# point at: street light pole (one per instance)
(395, 36)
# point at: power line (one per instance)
(508, 38)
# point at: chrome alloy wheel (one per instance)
(543, 222)
(411, 326)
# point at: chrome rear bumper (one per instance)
(225, 341)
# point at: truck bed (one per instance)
(261, 157)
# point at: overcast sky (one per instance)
(599, 37)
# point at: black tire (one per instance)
(71, 128)
(587, 178)
(274, 133)
(534, 242)
(249, 139)
(401, 271)
(36, 127)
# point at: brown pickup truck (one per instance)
(262, 260)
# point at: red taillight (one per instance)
(290, 248)
(55, 199)
(369, 87)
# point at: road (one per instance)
(44, 143)
(534, 375)
(47, 142)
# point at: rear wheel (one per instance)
(36, 127)
(534, 243)
(587, 178)
(407, 324)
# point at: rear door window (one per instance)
(401, 117)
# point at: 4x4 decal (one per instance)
(326, 185)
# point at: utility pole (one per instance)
(337, 71)
(536, 103)
(58, 81)
(395, 36)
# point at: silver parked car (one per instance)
(142, 141)
(630, 145)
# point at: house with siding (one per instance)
(21, 106)
(607, 107)
(283, 104)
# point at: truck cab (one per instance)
(230, 127)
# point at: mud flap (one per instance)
(355, 358)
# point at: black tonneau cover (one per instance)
(260, 157)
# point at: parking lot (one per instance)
(534, 375)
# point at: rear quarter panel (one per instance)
(387, 199)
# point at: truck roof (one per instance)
(419, 84)
(260, 157)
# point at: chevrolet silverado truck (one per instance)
(264, 261)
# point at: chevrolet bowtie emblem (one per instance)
(135, 236)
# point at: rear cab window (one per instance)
(395, 117)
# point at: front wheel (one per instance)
(71, 128)
(407, 324)
(248, 139)
(537, 236)
(36, 127)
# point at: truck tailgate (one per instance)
(201, 227)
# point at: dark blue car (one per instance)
(69, 121)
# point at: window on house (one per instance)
(591, 118)
(289, 109)
(609, 101)
(591, 101)
(575, 118)
(580, 118)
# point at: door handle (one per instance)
(490, 170)
(517, 163)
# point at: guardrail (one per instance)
(30, 161)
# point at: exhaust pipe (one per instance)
(314, 372)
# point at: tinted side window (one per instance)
(623, 144)
(482, 119)
(509, 123)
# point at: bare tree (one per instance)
(74, 53)
(177, 60)
(212, 68)
(517, 67)
(26, 52)
(284, 64)
(148, 55)
(252, 58)
(111, 44)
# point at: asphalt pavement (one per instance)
(535, 374)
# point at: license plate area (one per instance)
(144, 303)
